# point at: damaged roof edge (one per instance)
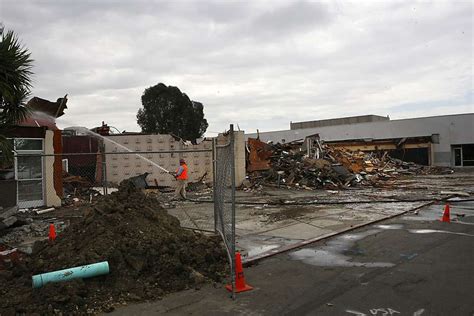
(54, 109)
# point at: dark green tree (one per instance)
(15, 84)
(167, 110)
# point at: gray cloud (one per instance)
(260, 64)
(295, 17)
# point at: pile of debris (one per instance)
(8, 217)
(78, 190)
(327, 167)
(27, 230)
(148, 252)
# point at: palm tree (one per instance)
(15, 84)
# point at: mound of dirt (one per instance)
(149, 255)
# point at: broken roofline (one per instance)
(54, 109)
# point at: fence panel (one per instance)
(224, 196)
(69, 178)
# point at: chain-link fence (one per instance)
(224, 196)
(36, 179)
(33, 180)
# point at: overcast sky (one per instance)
(258, 64)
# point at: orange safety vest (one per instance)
(184, 174)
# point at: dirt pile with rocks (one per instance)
(149, 255)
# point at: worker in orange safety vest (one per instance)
(181, 176)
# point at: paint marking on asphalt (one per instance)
(383, 312)
(430, 231)
(355, 312)
(419, 312)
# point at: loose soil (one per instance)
(149, 255)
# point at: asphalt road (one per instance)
(398, 267)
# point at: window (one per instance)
(65, 164)
(30, 190)
(29, 171)
(28, 144)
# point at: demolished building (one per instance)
(446, 140)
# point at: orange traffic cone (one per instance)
(446, 217)
(52, 232)
(240, 285)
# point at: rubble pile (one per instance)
(148, 252)
(330, 168)
(78, 190)
(7, 217)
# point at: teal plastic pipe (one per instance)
(87, 271)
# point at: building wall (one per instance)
(123, 166)
(51, 197)
(239, 153)
(452, 130)
(338, 121)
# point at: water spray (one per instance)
(87, 131)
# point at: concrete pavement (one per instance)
(400, 266)
(267, 227)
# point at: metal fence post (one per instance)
(104, 170)
(232, 168)
(214, 181)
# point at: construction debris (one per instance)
(455, 193)
(7, 217)
(5, 213)
(290, 166)
(30, 230)
(149, 254)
